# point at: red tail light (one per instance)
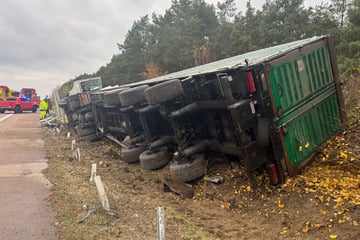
(251, 82)
(273, 174)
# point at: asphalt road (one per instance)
(24, 210)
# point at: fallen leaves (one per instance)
(323, 212)
(333, 236)
(281, 205)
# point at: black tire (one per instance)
(133, 96)
(155, 158)
(190, 170)
(112, 97)
(263, 132)
(164, 92)
(131, 153)
(2, 110)
(34, 108)
(17, 109)
(85, 131)
(91, 137)
(73, 105)
(89, 116)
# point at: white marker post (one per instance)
(161, 223)
(101, 192)
(77, 154)
(73, 144)
(93, 172)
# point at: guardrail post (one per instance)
(161, 223)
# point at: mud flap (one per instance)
(178, 187)
(254, 156)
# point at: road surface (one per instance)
(24, 209)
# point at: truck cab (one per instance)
(30, 94)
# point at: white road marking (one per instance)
(6, 117)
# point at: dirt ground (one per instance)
(322, 202)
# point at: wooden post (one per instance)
(72, 144)
(93, 172)
(101, 192)
(77, 154)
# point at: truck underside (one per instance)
(269, 109)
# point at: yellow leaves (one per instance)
(343, 154)
(309, 190)
(332, 181)
(281, 205)
(339, 202)
(306, 229)
(323, 212)
(332, 236)
(225, 205)
(284, 231)
(341, 221)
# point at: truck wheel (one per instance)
(155, 158)
(164, 92)
(189, 170)
(2, 110)
(17, 109)
(263, 134)
(89, 116)
(34, 108)
(112, 97)
(133, 96)
(131, 153)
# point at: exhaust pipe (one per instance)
(200, 147)
(161, 142)
(185, 110)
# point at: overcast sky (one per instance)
(44, 43)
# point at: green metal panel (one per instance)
(306, 133)
(296, 79)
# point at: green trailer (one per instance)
(274, 107)
(307, 101)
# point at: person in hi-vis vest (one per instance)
(43, 108)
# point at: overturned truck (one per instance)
(272, 108)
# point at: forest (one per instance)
(193, 32)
